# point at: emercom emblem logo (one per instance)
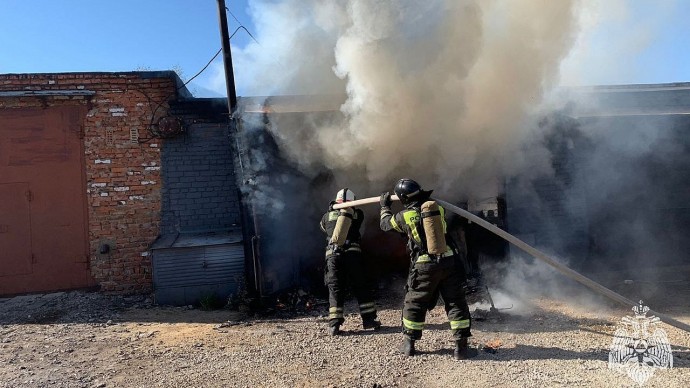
(640, 346)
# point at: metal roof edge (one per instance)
(627, 88)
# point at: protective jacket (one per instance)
(430, 275)
(328, 222)
(409, 222)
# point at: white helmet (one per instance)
(344, 195)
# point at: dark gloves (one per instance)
(330, 206)
(385, 199)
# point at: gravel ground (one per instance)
(79, 339)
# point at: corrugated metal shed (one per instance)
(190, 267)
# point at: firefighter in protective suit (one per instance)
(344, 264)
(435, 268)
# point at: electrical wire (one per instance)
(160, 104)
(202, 70)
(241, 26)
(249, 33)
(233, 15)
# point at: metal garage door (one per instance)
(43, 232)
(193, 267)
(15, 229)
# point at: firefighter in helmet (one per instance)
(344, 264)
(435, 267)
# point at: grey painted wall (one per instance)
(199, 190)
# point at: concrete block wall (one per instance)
(550, 212)
(122, 169)
(200, 193)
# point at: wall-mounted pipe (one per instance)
(256, 253)
(257, 265)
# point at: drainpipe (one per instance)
(256, 255)
(250, 226)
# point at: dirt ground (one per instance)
(80, 339)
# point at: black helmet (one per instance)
(409, 191)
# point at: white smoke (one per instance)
(444, 89)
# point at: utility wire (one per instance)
(249, 33)
(202, 70)
(214, 57)
(241, 26)
(233, 16)
(160, 104)
(153, 112)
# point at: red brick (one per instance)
(135, 225)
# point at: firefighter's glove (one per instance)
(385, 199)
(330, 206)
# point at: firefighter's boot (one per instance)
(334, 330)
(408, 346)
(371, 324)
(463, 351)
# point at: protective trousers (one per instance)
(345, 270)
(425, 282)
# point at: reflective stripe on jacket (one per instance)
(409, 221)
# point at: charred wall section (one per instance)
(618, 195)
(550, 211)
(638, 190)
(284, 209)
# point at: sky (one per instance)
(620, 42)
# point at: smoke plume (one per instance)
(450, 92)
(441, 90)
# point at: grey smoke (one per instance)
(445, 89)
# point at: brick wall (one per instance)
(123, 173)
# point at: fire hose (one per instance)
(563, 269)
